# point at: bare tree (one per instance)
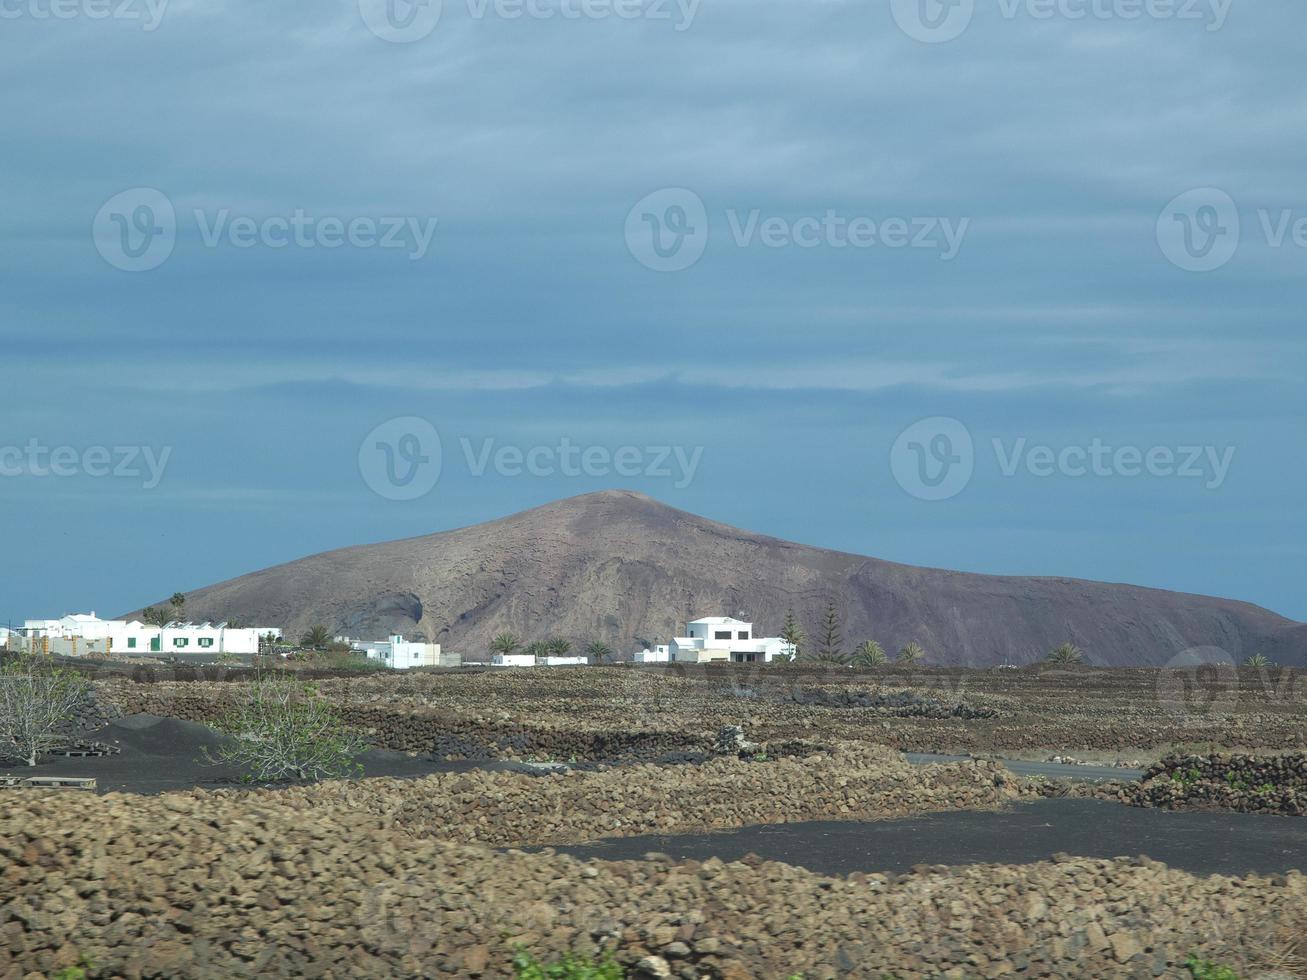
(283, 729)
(36, 702)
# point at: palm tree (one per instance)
(505, 643)
(315, 638)
(155, 617)
(537, 649)
(599, 651)
(910, 654)
(870, 654)
(178, 603)
(1066, 655)
(1258, 660)
(557, 647)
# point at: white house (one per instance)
(84, 633)
(529, 660)
(657, 655)
(513, 660)
(718, 639)
(400, 654)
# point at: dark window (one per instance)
(722, 635)
(744, 635)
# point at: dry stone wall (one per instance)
(203, 886)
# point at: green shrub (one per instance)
(284, 730)
(527, 967)
(1201, 969)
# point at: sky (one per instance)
(1010, 286)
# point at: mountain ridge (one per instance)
(620, 566)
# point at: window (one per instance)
(206, 642)
(743, 635)
(131, 643)
(181, 642)
(722, 635)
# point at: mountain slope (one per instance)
(622, 567)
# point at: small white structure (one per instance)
(718, 639)
(401, 654)
(563, 661)
(660, 654)
(513, 660)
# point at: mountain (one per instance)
(621, 567)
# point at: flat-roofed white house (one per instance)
(398, 653)
(80, 634)
(718, 639)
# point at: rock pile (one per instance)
(254, 885)
(853, 782)
(1251, 783)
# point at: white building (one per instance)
(513, 660)
(718, 639)
(400, 654)
(529, 660)
(657, 655)
(85, 633)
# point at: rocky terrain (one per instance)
(230, 885)
(623, 568)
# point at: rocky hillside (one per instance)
(621, 567)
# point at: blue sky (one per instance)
(1068, 155)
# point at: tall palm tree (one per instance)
(599, 651)
(558, 647)
(869, 654)
(1066, 655)
(316, 638)
(505, 643)
(910, 654)
(537, 649)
